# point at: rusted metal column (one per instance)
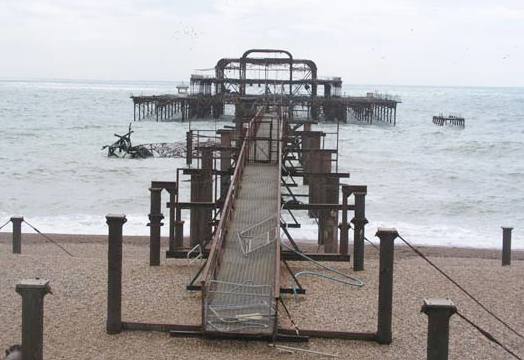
(506, 245)
(17, 233)
(189, 147)
(307, 126)
(344, 226)
(310, 141)
(329, 218)
(321, 164)
(179, 229)
(439, 311)
(201, 191)
(33, 292)
(114, 273)
(359, 222)
(195, 224)
(155, 226)
(225, 161)
(385, 284)
(172, 204)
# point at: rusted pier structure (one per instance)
(270, 77)
(251, 184)
(160, 107)
(449, 120)
(243, 205)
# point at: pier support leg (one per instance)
(344, 227)
(172, 204)
(506, 246)
(114, 274)
(155, 225)
(33, 292)
(330, 217)
(359, 221)
(207, 194)
(225, 162)
(179, 229)
(439, 311)
(385, 284)
(310, 141)
(189, 148)
(17, 234)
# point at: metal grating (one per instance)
(241, 298)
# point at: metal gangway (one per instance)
(240, 286)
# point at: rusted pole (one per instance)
(359, 221)
(225, 161)
(321, 164)
(179, 228)
(155, 226)
(344, 226)
(506, 245)
(195, 224)
(172, 204)
(189, 147)
(330, 217)
(385, 284)
(114, 273)
(17, 234)
(33, 292)
(206, 192)
(439, 311)
(310, 141)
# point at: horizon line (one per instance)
(36, 79)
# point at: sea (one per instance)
(435, 185)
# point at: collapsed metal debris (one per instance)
(123, 148)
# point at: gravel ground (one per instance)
(75, 313)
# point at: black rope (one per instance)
(8, 221)
(488, 335)
(418, 252)
(49, 239)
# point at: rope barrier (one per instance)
(49, 239)
(8, 221)
(460, 287)
(487, 335)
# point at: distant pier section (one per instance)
(271, 77)
(449, 120)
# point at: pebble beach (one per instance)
(74, 326)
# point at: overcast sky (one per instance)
(411, 42)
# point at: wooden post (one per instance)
(33, 292)
(114, 273)
(506, 245)
(385, 284)
(439, 311)
(17, 233)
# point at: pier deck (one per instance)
(240, 298)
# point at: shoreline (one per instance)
(401, 249)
